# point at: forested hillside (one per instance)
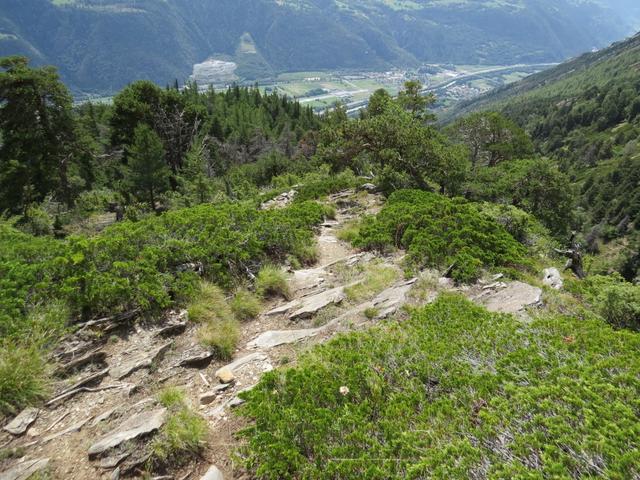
(101, 45)
(584, 115)
(205, 283)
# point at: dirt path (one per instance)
(131, 365)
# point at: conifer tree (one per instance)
(148, 172)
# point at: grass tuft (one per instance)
(219, 329)
(349, 232)
(245, 305)
(171, 396)
(184, 433)
(23, 377)
(377, 278)
(272, 282)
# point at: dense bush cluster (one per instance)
(454, 392)
(145, 264)
(438, 232)
(613, 298)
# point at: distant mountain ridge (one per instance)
(100, 45)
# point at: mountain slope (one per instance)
(100, 45)
(585, 114)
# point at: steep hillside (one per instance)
(100, 45)
(606, 67)
(584, 114)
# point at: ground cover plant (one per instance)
(454, 392)
(439, 232)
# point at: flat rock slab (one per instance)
(273, 338)
(136, 426)
(196, 358)
(513, 298)
(390, 300)
(213, 473)
(22, 422)
(138, 361)
(241, 362)
(24, 470)
(171, 329)
(314, 303)
(308, 278)
(95, 357)
(208, 397)
(72, 428)
(284, 308)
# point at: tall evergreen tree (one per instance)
(38, 135)
(148, 172)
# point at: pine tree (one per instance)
(148, 172)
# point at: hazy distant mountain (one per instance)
(100, 45)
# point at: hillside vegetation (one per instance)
(162, 40)
(152, 239)
(453, 392)
(584, 115)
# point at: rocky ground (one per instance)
(104, 413)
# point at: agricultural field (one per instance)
(451, 83)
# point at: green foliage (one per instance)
(437, 232)
(415, 102)
(614, 299)
(37, 221)
(170, 397)
(184, 433)
(394, 142)
(138, 264)
(245, 305)
(349, 231)
(148, 173)
(491, 138)
(535, 186)
(522, 226)
(272, 281)
(23, 376)
(583, 115)
(219, 329)
(317, 185)
(38, 136)
(453, 392)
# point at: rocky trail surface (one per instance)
(104, 413)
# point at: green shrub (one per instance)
(614, 299)
(272, 281)
(137, 264)
(245, 305)
(317, 185)
(453, 392)
(438, 231)
(37, 221)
